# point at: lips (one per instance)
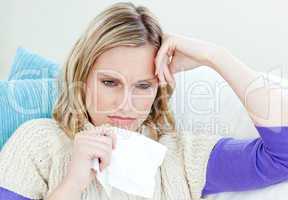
(121, 120)
(124, 118)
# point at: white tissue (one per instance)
(133, 166)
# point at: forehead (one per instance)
(131, 62)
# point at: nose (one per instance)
(124, 101)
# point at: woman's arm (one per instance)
(245, 164)
(236, 164)
(265, 101)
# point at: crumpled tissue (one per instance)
(134, 163)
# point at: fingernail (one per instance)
(163, 83)
(156, 72)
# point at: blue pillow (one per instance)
(23, 100)
(29, 65)
(29, 93)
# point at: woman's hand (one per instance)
(262, 100)
(89, 145)
(178, 53)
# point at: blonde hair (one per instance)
(122, 24)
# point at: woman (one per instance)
(123, 65)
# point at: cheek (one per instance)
(98, 99)
(104, 101)
(142, 105)
(147, 104)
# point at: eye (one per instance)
(109, 83)
(143, 86)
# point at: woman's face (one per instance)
(122, 83)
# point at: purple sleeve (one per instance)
(9, 195)
(246, 164)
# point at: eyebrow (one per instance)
(109, 76)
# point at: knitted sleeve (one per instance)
(25, 161)
(196, 152)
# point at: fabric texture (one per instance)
(9, 195)
(43, 151)
(29, 93)
(30, 65)
(246, 164)
(23, 100)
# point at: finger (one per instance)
(166, 49)
(93, 174)
(102, 139)
(160, 54)
(95, 152)
(111, 134)
(94, 143)
(161, 77)
(170, 53)
(103, 164)
(106, 131)
(169, 76)
(104, 160)
(103, 156)
(165, 71)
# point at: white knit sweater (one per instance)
(34, 161)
